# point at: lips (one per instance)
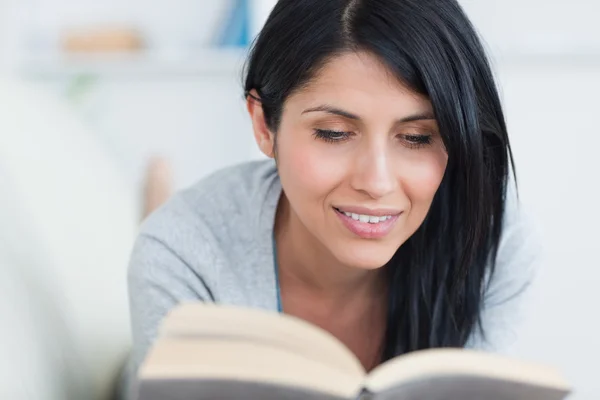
(378, 212)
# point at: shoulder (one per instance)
(197, 226)
(204, 244)
(233, 187)
(214, 203)
(519, 249)
(508, 292)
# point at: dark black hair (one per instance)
(438, 276)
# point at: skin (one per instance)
(329, 275)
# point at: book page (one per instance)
(177, 389)
(231, 361)
(200, 320)
(459, 364)
(462, 387)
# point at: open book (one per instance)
(216, 352)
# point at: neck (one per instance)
(304, 261)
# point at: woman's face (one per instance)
(360, 159)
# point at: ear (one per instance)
(263, 136)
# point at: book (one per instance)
(222, 352)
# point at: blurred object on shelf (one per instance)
(236, 30)
(145, 64)
(173, 31)
(246, 19)
(102, 39)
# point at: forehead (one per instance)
(360, 79)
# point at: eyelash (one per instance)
(418, 141)
(412, 141)
(332, 136)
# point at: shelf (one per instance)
(205, 62)
(222, 62)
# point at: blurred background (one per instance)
(99, 98)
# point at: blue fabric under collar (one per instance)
(277, 286)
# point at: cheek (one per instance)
(305, 171)
(422, 179)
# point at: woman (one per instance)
(384, 217)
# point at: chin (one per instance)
(366, 258)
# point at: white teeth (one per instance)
(353, 216)
(372, 219)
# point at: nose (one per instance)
(373, 172)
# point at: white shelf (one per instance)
(221, 62)
(204, 62)
(540, 58)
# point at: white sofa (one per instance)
(67, 223)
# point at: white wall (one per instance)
(8, 35)
(198, 123)
(530, 27)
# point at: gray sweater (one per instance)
(213, 242)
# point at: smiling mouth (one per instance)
(368, 226)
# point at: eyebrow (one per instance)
(346, 114)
